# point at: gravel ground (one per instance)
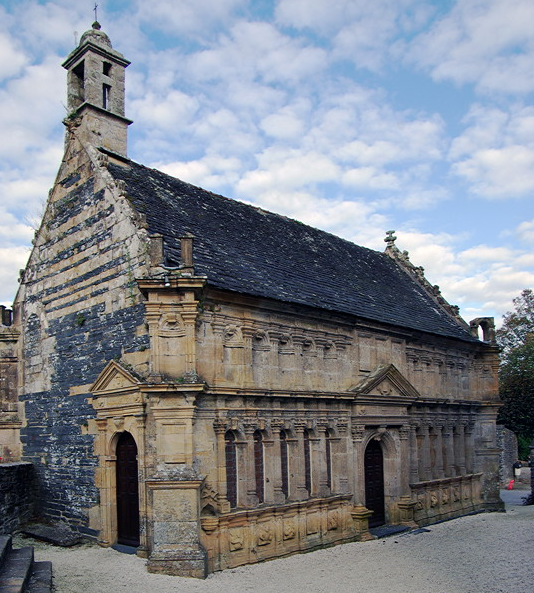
(489, 552)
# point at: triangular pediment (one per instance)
(114, 378)
(386, 381)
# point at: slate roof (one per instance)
(249, 250)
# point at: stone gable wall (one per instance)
(79, 309)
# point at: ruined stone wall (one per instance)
(507, 443)
(79, 309)
(17, 495)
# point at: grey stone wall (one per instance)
(17, 495)
(507, 443)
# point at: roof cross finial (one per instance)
(96, 11)
(390, 239)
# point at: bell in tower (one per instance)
(95, 88)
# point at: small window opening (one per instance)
(284, 462)
(231, 468)
(307, 463)
(106, 92)
(258, 466)
(78, 83)
(106, 68)
(328, 445)
(79, 71)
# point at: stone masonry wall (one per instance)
(80, 309)
(507, 443)
(16, 495)
(56, 437)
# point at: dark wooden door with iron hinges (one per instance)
(374, 483)
(127, 491)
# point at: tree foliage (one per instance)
(516, 388)
(516, 375)
(517, 324)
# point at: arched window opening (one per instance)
(231, 468)
(307, 463)
(284, 463)
(258, 466)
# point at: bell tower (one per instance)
(95, 89)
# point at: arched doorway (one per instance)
(374, 483)
(127, 491)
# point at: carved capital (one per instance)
(358, 432)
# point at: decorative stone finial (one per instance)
(390, 239)
(96, 25)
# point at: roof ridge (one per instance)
(418, 274)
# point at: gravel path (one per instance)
(489, 552)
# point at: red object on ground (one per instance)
(511, 485)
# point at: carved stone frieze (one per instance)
(236, 539)
(290, 530)
(265, 534)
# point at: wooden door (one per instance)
(374, 483)
(127, 491)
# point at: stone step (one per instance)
(16, 570)
(5, 547)
(41, 578)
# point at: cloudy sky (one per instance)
(353, 116)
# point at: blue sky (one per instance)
(353, 116)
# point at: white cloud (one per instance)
(495, 154)
(504, 172)
(168, 113)
(184, 17)
(42, 87)
(488, 43)
(12, 59)
(485, 253)
(257, 50)
(359, 31)
(525, 231)
(13, 259)
(209, 172)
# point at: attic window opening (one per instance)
(106, 68)
(106, 92)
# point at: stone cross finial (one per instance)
(390, 239)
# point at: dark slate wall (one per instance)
(17, 495)
(53, 438)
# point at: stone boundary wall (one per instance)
(17, 495)
(507, 443)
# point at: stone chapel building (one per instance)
(217, 385)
